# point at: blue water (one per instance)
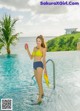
(16, 83)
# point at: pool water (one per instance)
(16, 83)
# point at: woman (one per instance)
(39, 64)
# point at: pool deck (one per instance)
(63, 99)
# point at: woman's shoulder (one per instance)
(43, 49)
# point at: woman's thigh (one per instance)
(35, 74)
(39, 73)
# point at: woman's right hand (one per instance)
(26, 46)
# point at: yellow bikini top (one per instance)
(37, 53)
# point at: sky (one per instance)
(35, 19)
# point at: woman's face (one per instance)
(38, 41)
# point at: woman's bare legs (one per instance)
(38, 76)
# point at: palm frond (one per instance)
(2, 41)
(13, 39)
(13, 22)
(7, 36)
(1, 45)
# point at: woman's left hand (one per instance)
(45, 71)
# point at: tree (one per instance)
(7, 35)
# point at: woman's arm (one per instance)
(44, 60)
(30, 55)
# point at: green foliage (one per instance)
(7, 35)
(64, 43)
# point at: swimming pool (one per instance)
(15, 82)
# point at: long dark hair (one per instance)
(43, 44)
